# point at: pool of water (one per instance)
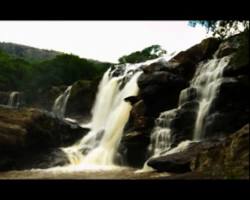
(88, 172)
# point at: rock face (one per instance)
(227, 157)
(35, 133)
(44, 98)
(80, 101)
(4, 97)
(156, 87)
(166, 86)
(82, 98)
(185, 62)
(178, 159)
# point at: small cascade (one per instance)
(160, 140)
(203, 88)
(14, 99)
(161, 134)
(206, 82)
(60, 104)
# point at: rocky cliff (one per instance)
(168, 87)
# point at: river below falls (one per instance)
(62, 173)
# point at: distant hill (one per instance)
(28, 53)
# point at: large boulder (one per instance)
(231, 160)
(182, 125)
(185, 62)
(155, 90)
(238, 47)
(178, 159)
(136, 137)
(30, 132)
(82, 97)
(133, 148)
(230, 108)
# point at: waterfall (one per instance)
(110, 114)
(160, 139)
(206, 81)
(14, 99)
(60, 103)
(205, 84)
(161, 134)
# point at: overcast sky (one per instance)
(101, 40)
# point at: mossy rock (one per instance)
(229, 160)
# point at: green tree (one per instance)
(148, 53)
(222, 28)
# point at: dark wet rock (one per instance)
(81, 98)
(231, 96)
(41, 159)
(155, 89)
(160, 77)
(133, 148)
(138, 116)
(132, 99)
(231, 160)
(223, 123)
(239, 63)
(178, 159)
(182, 126)
(162, 83)
(230, 108)
(156, 66)
(135, 140)
(32, 131)
(184, 63)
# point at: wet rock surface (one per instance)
(166, 85)
(224, 157)
(33, 132)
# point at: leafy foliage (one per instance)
(21, 75)
(222, 28)
(148, 53)
(27, 53)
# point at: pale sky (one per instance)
(101, 40)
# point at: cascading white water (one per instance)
(160, 140)
(110, 114)
(161, 135)
(206, 81)
(60, 103)
(13, 99)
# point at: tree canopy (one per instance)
(19, 74)
(148, 53)
(222, 28)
